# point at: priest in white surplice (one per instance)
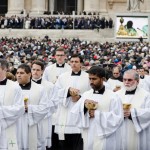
(136, 104)
(51, 74)
(37, 71)
(11, 108)
(100, 112)
(144, 81)
(70, 86)
(36, 103)
(115, 82)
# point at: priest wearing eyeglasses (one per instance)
(136, 108)
(52, 72)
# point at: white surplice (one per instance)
(136, 132)
(29, 126)
(103, 131)
(11, 108)
(145, 83)
(65, 123)
(47, 122)
(52, 72)
(113, 83)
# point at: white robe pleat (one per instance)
(136, 133)
(11, 108)
(30, 126)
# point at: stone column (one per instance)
(79, 6)
(15, 7)
(91, 5)
(38, 7)
(51, 6)
(103, 6)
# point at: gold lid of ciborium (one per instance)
(126, 106)
(91, 106)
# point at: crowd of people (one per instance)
(127, 54)
(83, 22)
(70, 94)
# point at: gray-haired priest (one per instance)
(136, 107)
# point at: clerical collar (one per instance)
(3, 82)
(60, 65)
(76, 73)
(101, 91)
(141, 77)
(37, 81)
(130, 92)
(26, 86)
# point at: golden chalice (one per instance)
(91, 106)
(126, 106)
(118, 86)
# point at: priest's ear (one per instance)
(104, 79)
(138, 81)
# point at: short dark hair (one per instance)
(77, 56)
(26, 68)
(3, 63)
(97, 70)
(40, 63)
(60, 49)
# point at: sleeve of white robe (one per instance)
(62, 93)
(83, 119)
(141, 116)
(45, 74)
(9, 114)
(108, 122)
(37, 112)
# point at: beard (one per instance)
(96, 87)
(131, 88)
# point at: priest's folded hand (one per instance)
(91, 113)
(26, 108)
(90, 104)
(117, 88)
(75, 98)
(127, 112)
(73, 91)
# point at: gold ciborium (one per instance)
(126, 106)
(91, 106)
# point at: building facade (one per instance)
(38, 7)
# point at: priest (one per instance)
(100, 112)
(11, 109)
(115, 82)
(37, 69)
(52, 72)
(136, 108)
(36, 106)
(144, 81)
(70, 86)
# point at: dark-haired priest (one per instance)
(35, 98)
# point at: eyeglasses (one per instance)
(60, 55)
(128, 80)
